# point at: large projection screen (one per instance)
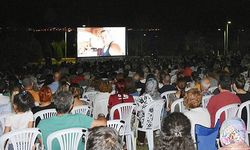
(101, 41)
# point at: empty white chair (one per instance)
(68, 139)
(239, 114)
(2, 122)
(152, 121)
(205, 100)
(177, 104)
(125, 111)
(100, 104)
(229, 110)
(165, 95)
(211, 89)
(84, 109)
(21, 140)
(44, 114)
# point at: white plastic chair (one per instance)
(205, 100)
(68, 138)
(178, 103)
(152, 121)
(44, 114)
(117, 125)
(229, 110)
(166, 95)
(89, 97)
(84, 109)
(100, 104)
(247, 106)
(21, 140)
(125, 113)
(211, 89)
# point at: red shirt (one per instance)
(187, 72)
(116, 99)
(218, 101)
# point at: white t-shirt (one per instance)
(19, 121)
(199, 116)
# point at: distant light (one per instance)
(130, 29)
(242, 30)
(84, 25)
(144, 34)
(219, 29)
(229, 22)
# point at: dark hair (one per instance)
(63, 101)
(176, 133)
(24, 101)
(120, 87)
(27, 82)
(240, 82)
(101, 138)
(130, 86)
(225, 82)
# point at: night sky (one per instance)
(176, 14)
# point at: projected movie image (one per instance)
(101, 41)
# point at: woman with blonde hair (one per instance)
(195, 113)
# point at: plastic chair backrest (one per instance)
(179, 103)
(229, 110)
(125, 113)
(247, 106)
(166, 94)
(206, 137)
(118, 125)
(89, 96)
(152, 117)
(44, 114)
(68, 139)
(84, 109)
(100, 104)
(211, 89)
(20, 140)
(205, 100)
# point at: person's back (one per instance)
(48, 126)
(218, 101)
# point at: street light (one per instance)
(227, 43)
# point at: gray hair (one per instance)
(100, 138)
(63, 101)
(27, 82)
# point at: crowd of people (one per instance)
(34, 88)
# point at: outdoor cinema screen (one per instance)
(101, 41)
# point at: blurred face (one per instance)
(166, 80)
(181, 85)
(205, 84)
(136, 77)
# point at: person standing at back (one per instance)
(224, 98)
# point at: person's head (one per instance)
(105, 86)
(23, 102)
(63, 86)
(2, 86)
(45, 94)
(181, 83)
(176, 133)
(100, 138)
(57, 76)
(192, 98)
(240, 82)
(151, 86)
(63, 102)
(130, 86)
(120, 87)
(75, 89)
(166, 79)
(205, 84)
(225, 82)
(232, 131)
(27, 83)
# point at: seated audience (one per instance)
(166, 84)
(23, 117)
(75, 89)
(55, 84)
(195, 113)
(28, 86)
(103, 138)
(225, 97)
(130, 87)
(120, 97)
(233, 135)
(63, 102)
(175, 133)
(45, 96)
(205, 85)
(242, 94)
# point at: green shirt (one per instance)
(55, 123)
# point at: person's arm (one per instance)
(7, 129)
(99, 122)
